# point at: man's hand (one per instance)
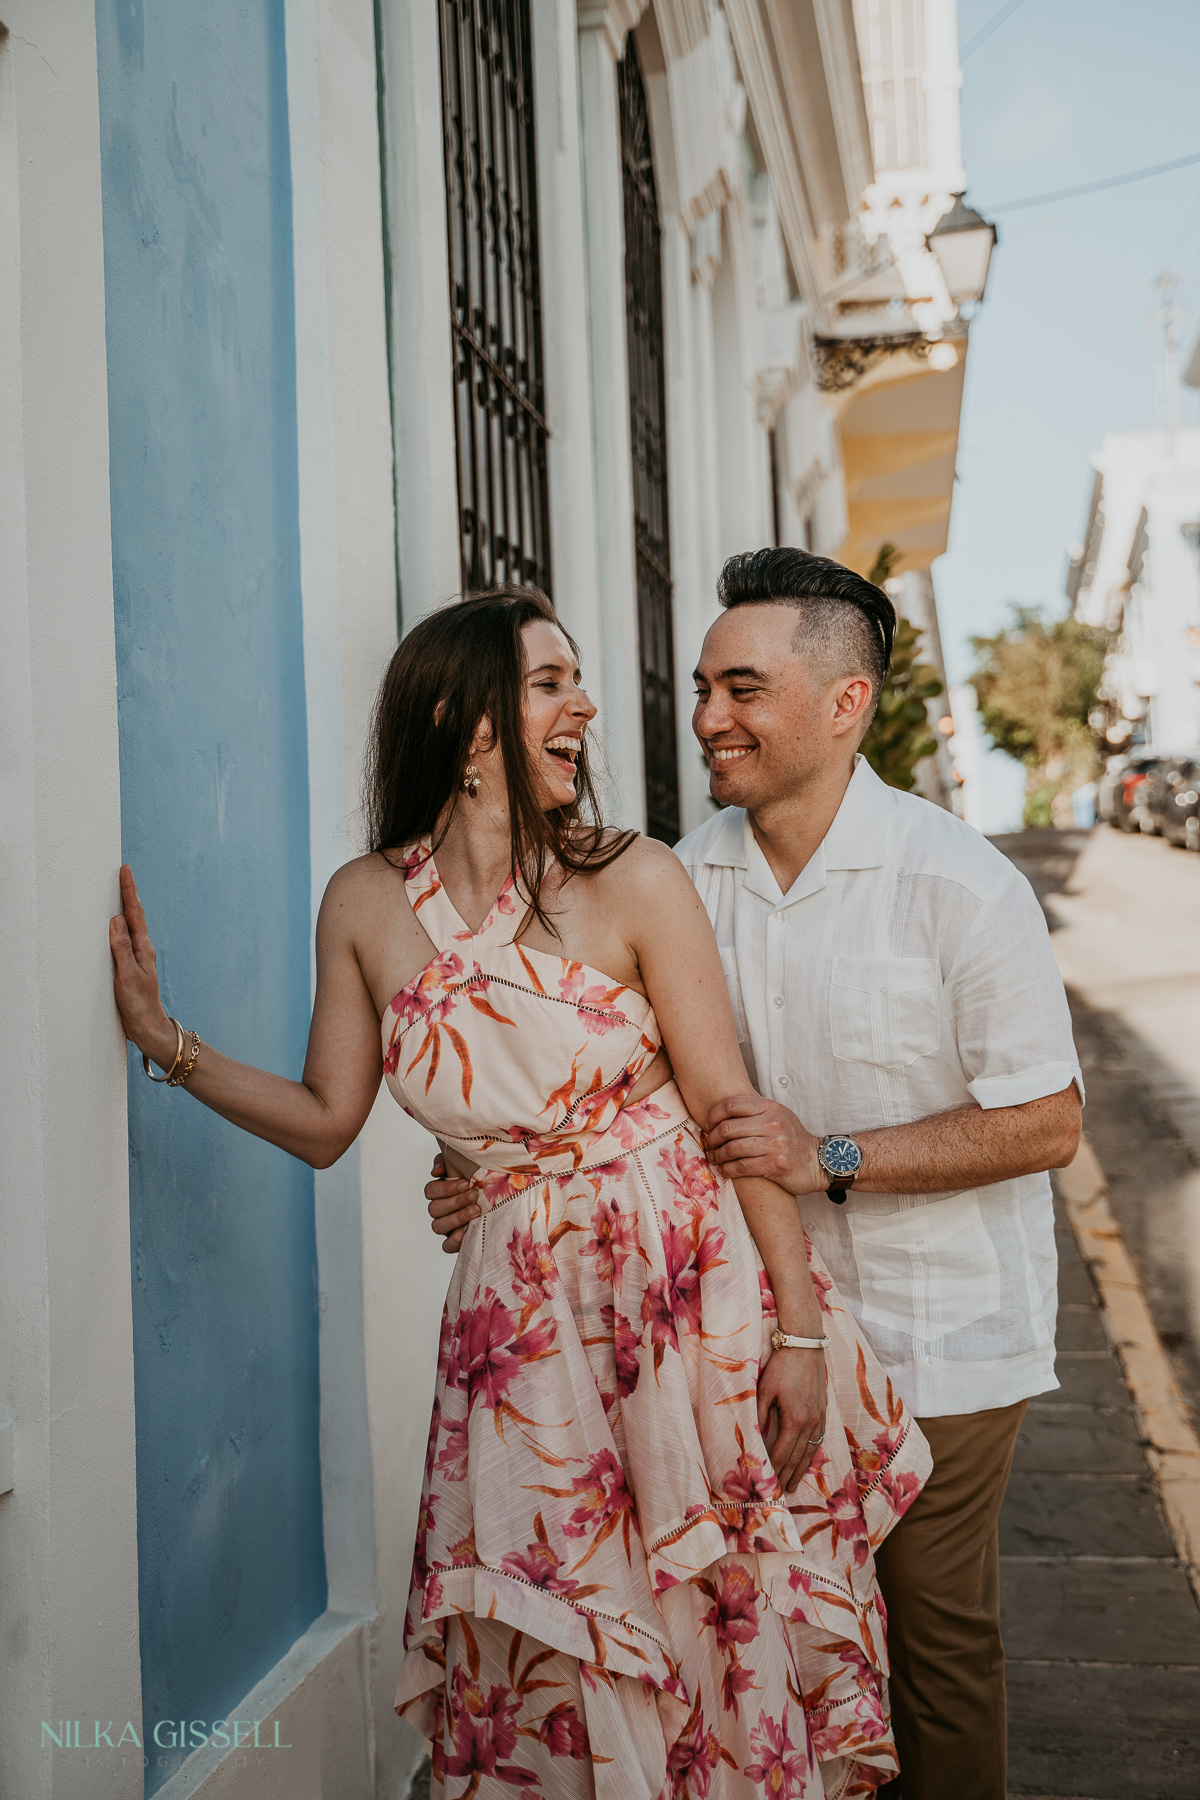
(747, 1135)
(793, 1386)
(453, 1203)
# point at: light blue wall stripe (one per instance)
(201, 369)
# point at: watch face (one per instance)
(841, 1156)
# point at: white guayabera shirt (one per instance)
(907, 971)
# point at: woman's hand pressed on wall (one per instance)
(316, 1118)
(135, 983)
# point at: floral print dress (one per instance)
(611, 1595)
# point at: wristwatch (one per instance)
(781, 1341)
(841, 1159)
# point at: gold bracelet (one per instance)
(183, 1074)
(178, 1056)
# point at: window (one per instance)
(648, 439)
(495, 300)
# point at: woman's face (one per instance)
(557, 712)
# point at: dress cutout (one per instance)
(611, 1595)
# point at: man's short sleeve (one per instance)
(1011, 1019)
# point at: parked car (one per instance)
(1126, 800)
(1173, 800)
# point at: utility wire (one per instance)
(993, 24)
(1094, 187)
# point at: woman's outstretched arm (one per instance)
(316, 1118)
(681, 968)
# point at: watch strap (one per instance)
(781, 1341)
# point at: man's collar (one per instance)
(855, 840)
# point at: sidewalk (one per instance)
(1101, 1627)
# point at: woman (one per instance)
(643, 1564)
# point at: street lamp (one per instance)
(962, 241)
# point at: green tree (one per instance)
(1036, 681)
(899, 736)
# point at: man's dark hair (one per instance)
(846, 621)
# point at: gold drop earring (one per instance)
(471, 779)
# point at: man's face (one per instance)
(766, 722)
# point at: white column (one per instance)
(692, 593)
(381, 1273)
(422, 384)
(604, 226)
(68, 1527)
(564, 295)
(942, 81)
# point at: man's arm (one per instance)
(967, 1147)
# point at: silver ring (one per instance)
(819, 1440)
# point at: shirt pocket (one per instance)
(928, 1270)
(884, 1009)
(733, 983)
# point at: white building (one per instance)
(1137, 573)
(307, 327)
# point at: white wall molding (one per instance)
(604, 226)
(422, 381)
(68, 1530)
(564, 300)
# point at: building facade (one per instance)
(319, 311)
(1137, 573)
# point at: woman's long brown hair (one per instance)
(461, 664)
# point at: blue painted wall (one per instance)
(201, 379)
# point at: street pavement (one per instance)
(1102, 1631)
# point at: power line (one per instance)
(1094, 187)
(993, 24)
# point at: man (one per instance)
(894, 989)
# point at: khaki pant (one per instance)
(939, 1572)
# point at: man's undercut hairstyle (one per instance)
(846, 625)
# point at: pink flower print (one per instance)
(901, 1490)
(535, 1272)
(632, 1121)
(753, 1484)
(488, 1354)
(690, 1176)
(656, 1314)
(735, 1682)
(423, 999)
(540, 1563)
(605, 1503)
(693, 1758)
(845, 1515)
(596, 1005)
(452, 1463)
(625, 1342)
(485, 1732)
(766, 1294)
(671, 1302)
(613, 1241)
(733, 1615)
(781, 1769)
(564, 1733)
(821, 1286)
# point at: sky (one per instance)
(1065, 346)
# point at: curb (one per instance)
(1169, 1440)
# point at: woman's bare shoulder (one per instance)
(362, 888)
(643, 872)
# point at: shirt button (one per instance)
(781, 918)
(779, 999)
(883, 990)
(782, 1080)
(929, 1362)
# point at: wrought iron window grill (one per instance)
(648, 439)
(495, 298)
